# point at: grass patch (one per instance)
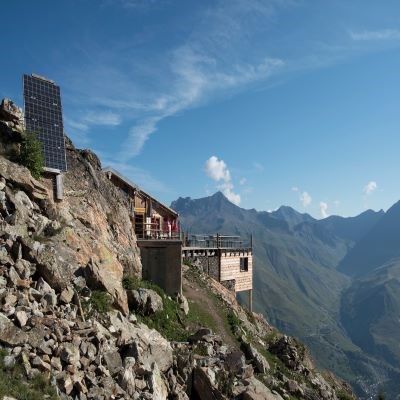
(170, 322)
(39, 238)
(134, 283)
(234, 322)
(13, 382)
(99, 302)
(198, 317)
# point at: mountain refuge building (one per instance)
(157, 231)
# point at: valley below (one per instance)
(334, 283)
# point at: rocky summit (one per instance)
(77, 322)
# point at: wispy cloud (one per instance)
(197, 78)
(80, 125)
(323, 209)
(133, 4)
(217, 58)
(218, 171)
(105, 118)
(383, 34)
(370, 188)
(305, 199)
(258, 166)
(207, 66)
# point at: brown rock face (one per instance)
(90, 230)
(106, 274)
(10, 112)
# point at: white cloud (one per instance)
(323, 209)
(305, 199)
(369, 188)
(218, 171)
(336, 203)
(295, 189)
(227, 190)
(384, 34)
(243, 181)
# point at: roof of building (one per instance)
(137, 188)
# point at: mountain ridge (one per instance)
(296, 282)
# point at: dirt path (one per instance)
(199, 295)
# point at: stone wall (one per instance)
(230, 284)
(208, 264)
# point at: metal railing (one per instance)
(153, 231)
(216, 241)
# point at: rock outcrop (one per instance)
(65, 314)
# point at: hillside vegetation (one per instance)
(304, 282)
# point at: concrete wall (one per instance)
(161, 262)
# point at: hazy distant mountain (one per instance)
(291, 216)
(352, 228)
(370, 312)
(377, 247)
(297, 284)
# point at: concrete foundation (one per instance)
(161, 263)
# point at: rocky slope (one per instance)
(76, 321)
(349, 325)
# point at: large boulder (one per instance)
(255, 390)
(11, 334)
(9, 111)
(145, 301)
(146, 345)
(259, 361)
(158, 388)
(204, 384)
(22, 178)
(105, 272)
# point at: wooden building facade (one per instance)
(152, 219)
(157, 232)
(227, 259)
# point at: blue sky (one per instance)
(273, 102)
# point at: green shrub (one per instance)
(31, 154)
(101, 301)
(234, 321)
(130, 283)
(344, 396)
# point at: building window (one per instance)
(244, 264)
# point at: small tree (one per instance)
(31, 154)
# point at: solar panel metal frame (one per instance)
(43, 116)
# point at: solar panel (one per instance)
(43, 115)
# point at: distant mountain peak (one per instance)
(291, 216)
